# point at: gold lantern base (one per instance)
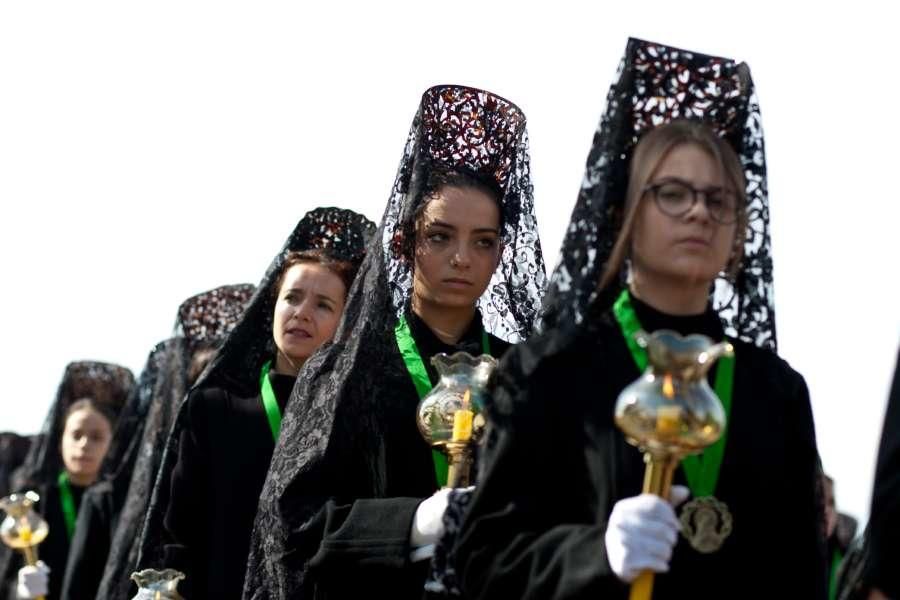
(459, 455)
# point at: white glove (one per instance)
(33, 580)
(428, 523)
(641, 533)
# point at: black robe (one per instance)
(54, 550)
(883, 532)
(361, 542)
(536, 524)
(224, 454)
(97, 518)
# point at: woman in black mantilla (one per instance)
(60, 466)
(558, 512)
(203, 321)
(456, 265)
(202, 511)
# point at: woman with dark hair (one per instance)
(208, 317)
(670, 231)
(205, 498)
(456, 265)
(60, 466)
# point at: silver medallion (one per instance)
(705, 523)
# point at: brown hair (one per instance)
(432, 180)
(650, 151)
(92, 404)
(200, 357)
(345, 270)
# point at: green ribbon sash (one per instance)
(67, 503)
(701, 470)
(416, 369)
(270, 404)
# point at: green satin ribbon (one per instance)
(416, 369)
(270, 403)
(67, 503)
(836, 559)
(701, 470)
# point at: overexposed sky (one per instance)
(153, 150)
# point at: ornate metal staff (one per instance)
(670, 412)
(23, 528)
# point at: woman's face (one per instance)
(692, 248)
(457, 247)
(309, 307)
(85, 440)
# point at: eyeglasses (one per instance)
(676, 198)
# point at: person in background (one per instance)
(60, 466)
(202, 510)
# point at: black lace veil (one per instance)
(203, 321)
(656, 84)
(343, 235)
(108, 384)
(119, 460)
(457, 127)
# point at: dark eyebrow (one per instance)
(674, 179)
(319, 296)
(437, 223)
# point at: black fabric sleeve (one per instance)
(803, 506)
(884, 525)
(90, 545)
(188, 484)
(534, 530)
(366, 532)
(365, 546)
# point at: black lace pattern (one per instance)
(465, 127)
(209, 317)
(202, 322)
(656, 84)
(343, 235)
(108, 384)
(457, 127)
(443, 580)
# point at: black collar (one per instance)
(430, 344)
(706, 323)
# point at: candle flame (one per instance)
(465, 400)
(668, 389)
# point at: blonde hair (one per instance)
(653, 147)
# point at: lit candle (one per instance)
(668, 389)
(668, 420)
(462, 421)
(25, 532)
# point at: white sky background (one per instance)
(153, 150)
